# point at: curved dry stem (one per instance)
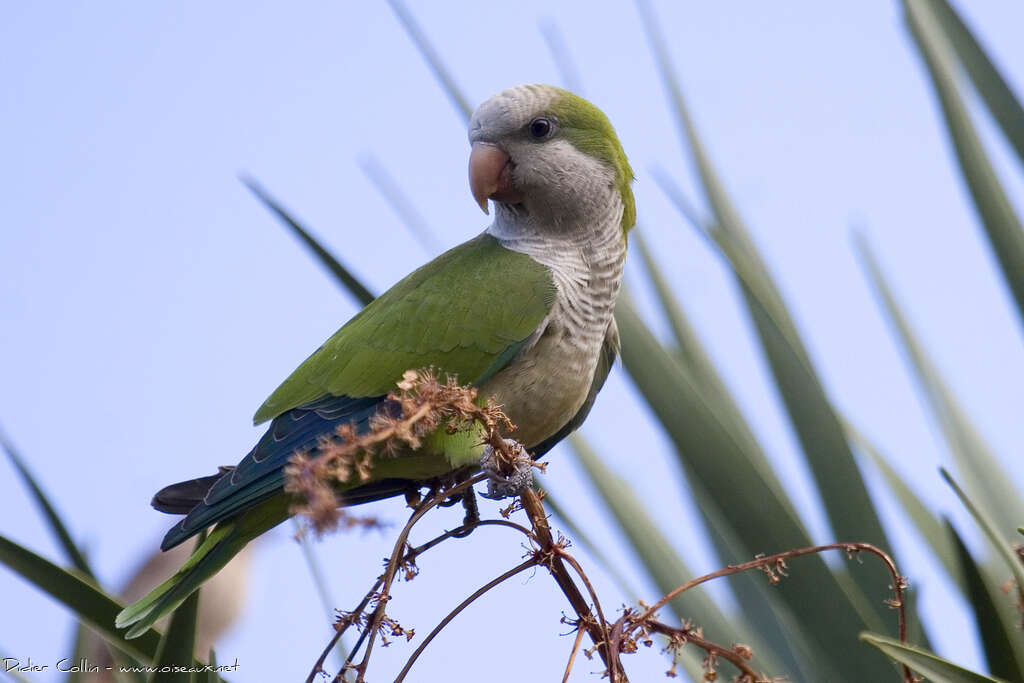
(771, 565)
(384, 595)
(575, 651)
(459, 532)
(411, 554)
(574, 563)
(736, 655)
(531, 562)
(339, 630)
(550, 555)
(609, 640)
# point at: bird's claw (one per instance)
(450, 501)
(504, 478)
(472, 517)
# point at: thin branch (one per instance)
(574, 563)
(425, 404)
(410, 555)
(575, 650)
(552, 559)
(772, 565)
(392, 569)
(777, 560)
(339, 629)
(531, 562)
(737, 655)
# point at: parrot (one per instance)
(523, 312)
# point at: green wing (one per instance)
(466, 312)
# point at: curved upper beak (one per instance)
(489, 176)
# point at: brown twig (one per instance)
(531, 562)
(426, 404)
(772, 565)
(422, 404)
(608, 641)
(777, 560)
(384, 595)
(738, 655)
(572, 654)
(410, 555)
(574, 563)
(552, 559)
(413, 553)
(340, 626)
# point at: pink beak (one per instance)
(489, 175)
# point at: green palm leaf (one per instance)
(935, 668)
(999, 543)
(343, 274)
(993, 88)
(433, 59)
(927, 524)
(664, 565)
(81, 596)
(742, 497)
(988, 604)
(1001, 223)
(843, 492)
(175, 651)
(985, 476)
(92, 605)
(57, 526)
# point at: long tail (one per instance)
(223, 543)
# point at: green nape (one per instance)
(590, 131)
(441, 315)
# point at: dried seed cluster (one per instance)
(421, 404)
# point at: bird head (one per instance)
(546, 153)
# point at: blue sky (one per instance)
(150, 304)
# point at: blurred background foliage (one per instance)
(807, 627)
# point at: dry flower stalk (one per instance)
(421, 404)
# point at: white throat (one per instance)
(550, 378)
(580, 244)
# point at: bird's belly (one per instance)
(543, 388)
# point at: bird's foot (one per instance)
(445, 483)
(413, 497)
(472, 517)
(450, 501)
(507, 475)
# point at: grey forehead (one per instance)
(508, 111)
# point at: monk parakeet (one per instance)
(523, 312)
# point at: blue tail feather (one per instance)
(260, 475)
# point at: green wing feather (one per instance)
(465, 313)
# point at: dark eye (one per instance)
(540, 128)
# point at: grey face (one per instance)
(562, 188)
(507, 114)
